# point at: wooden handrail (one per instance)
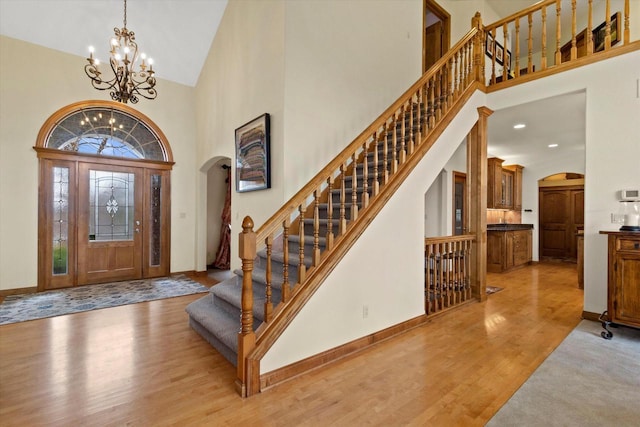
(580, 42)
(398, 135)
(345, 155)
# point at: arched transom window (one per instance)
(101, 130)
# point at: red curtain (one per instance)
(223, 257)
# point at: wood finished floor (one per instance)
(141, 365)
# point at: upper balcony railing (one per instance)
(551, 33)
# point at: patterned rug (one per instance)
(20, 308)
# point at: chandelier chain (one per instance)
(125, 14)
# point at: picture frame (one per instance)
(489, 45)
(499, 51)
(599, 32)
(507, 60)
(253, 155)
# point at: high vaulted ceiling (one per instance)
(177, 34)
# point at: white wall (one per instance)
(393, 291)
(30, 92)
(612, 149)
(243, 78)
(346, 62)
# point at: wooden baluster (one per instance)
(316, 228)
(411, 127)
(574, 48)
(330, 213)
(385, 151)
(285, 261)
(354, 188)
(493, 57)
(376, 143)
(517, 74)
(478, 49)
(432, 98)
(302, 268)
(365, 176)
(343, 195)
(394, 143)
(558, 32)
(268, 304)
(428, 283)
(467, 268)
(469, 75)
(438, 105)
(607, 27)
(246, 336)
(590, 29)
(505, 66)
(420, 117)
(530, 45)
(441, 285)
(450, 81)
(449, 274)
(543, 58)
(403, 134)
(627, 34)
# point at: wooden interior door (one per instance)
(109, 226)
(561, 215)
(459, 203)
(436, 33)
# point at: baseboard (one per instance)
(191, 273)
(288, 372)
(587, 315)
(17, 291)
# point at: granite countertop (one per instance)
(508, 227)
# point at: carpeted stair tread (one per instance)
(293, 259)
(231, 293)
(218, 322)
(259, 275)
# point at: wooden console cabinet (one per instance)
(623, 279)
(508, 249)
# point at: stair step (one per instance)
(216, 326)
(228, 296)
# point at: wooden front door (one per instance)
(561, 215)
(109, 223)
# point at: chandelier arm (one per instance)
(127, 83)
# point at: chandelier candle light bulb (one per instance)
(127, 84)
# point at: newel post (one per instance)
(478, 48)
(246, 336)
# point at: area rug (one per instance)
(493, 289)
(587, 381)
(20, 308)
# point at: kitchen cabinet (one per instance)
(504, 185)
(623, 280)
(508, 247)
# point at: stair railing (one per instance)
(578, 43)
(447, 272)
(394, 141)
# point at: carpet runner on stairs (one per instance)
(216, 316)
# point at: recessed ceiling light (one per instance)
(519, 126)
(552, 145)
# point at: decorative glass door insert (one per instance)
(111, 205)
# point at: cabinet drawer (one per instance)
(628, 245)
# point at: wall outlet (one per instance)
(365, 311)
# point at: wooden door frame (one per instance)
(433, 7)
(54, 157)
(559, 185)
(465, 195)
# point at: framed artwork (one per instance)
(252, 155)
(489, 45)
(507, 60)
(600, 31)
(499, 53)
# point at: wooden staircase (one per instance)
(286, 260)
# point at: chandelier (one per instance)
(127, 83)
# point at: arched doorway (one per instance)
(104, 196)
